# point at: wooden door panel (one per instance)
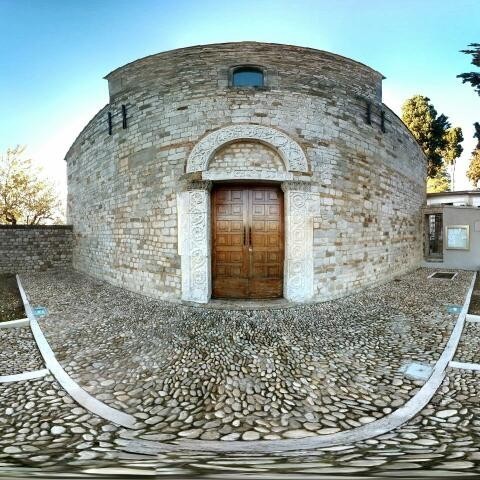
(266, 274)
(247, 234)
(230, 263)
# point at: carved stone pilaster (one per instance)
(194, 241)
(298, 279)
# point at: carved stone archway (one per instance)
(289, 150)
(193, 205)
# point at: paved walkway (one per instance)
(188, 372)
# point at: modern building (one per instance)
(464, 198)
(452, 230)
(246, 170)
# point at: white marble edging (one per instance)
(72, 388)
(24, 376)
(465, 365)
(22, 322)
(473, 318)
(379, 427)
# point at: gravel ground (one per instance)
(18, 352)
(475, 301)
(469, 346)
(286, 373)
(11, 306)
(475, 304)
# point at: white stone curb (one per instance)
(72, 388)
(24, 376)
(379, 427)
(465, 365)
(473, 318)
(22, 322)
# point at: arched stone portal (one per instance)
(194, 214)
(291, 153)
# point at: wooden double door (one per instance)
(247, 241)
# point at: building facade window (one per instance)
(248, 77)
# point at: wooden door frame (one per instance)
(248, 186)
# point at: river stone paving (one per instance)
(442, 441)
(469, 346)
(43, 431)
(18, 351)
(188, 372)
(41, 425)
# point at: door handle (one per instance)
(244, 235)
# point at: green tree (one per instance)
(473, 172)
(476, 135)
(472, 77)
(452, 149)
(25, 197)
(440, 182)
(430, 130)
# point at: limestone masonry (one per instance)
(352, 176)
(26, 248)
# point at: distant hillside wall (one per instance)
(25, 248)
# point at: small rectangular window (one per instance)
(247, 77)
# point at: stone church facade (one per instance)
(246, 170)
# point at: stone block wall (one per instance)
(25, 248)
(367, 185)
(246, 156)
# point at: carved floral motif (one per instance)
(247, 175)
(299, 244)
(289, 150)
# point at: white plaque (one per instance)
(458, 237)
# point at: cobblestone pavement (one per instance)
(18, 351)
(196, 373)
(443, 440)
(469, 346)
(41, 424)
(193, 373)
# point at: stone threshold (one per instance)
(244, 304)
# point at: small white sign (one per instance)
(458, 237)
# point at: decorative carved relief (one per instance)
(289, 150)
(298, 282)
(248, 175)
(194, 243)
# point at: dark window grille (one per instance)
(247, 77)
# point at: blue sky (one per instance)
(55, 53)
